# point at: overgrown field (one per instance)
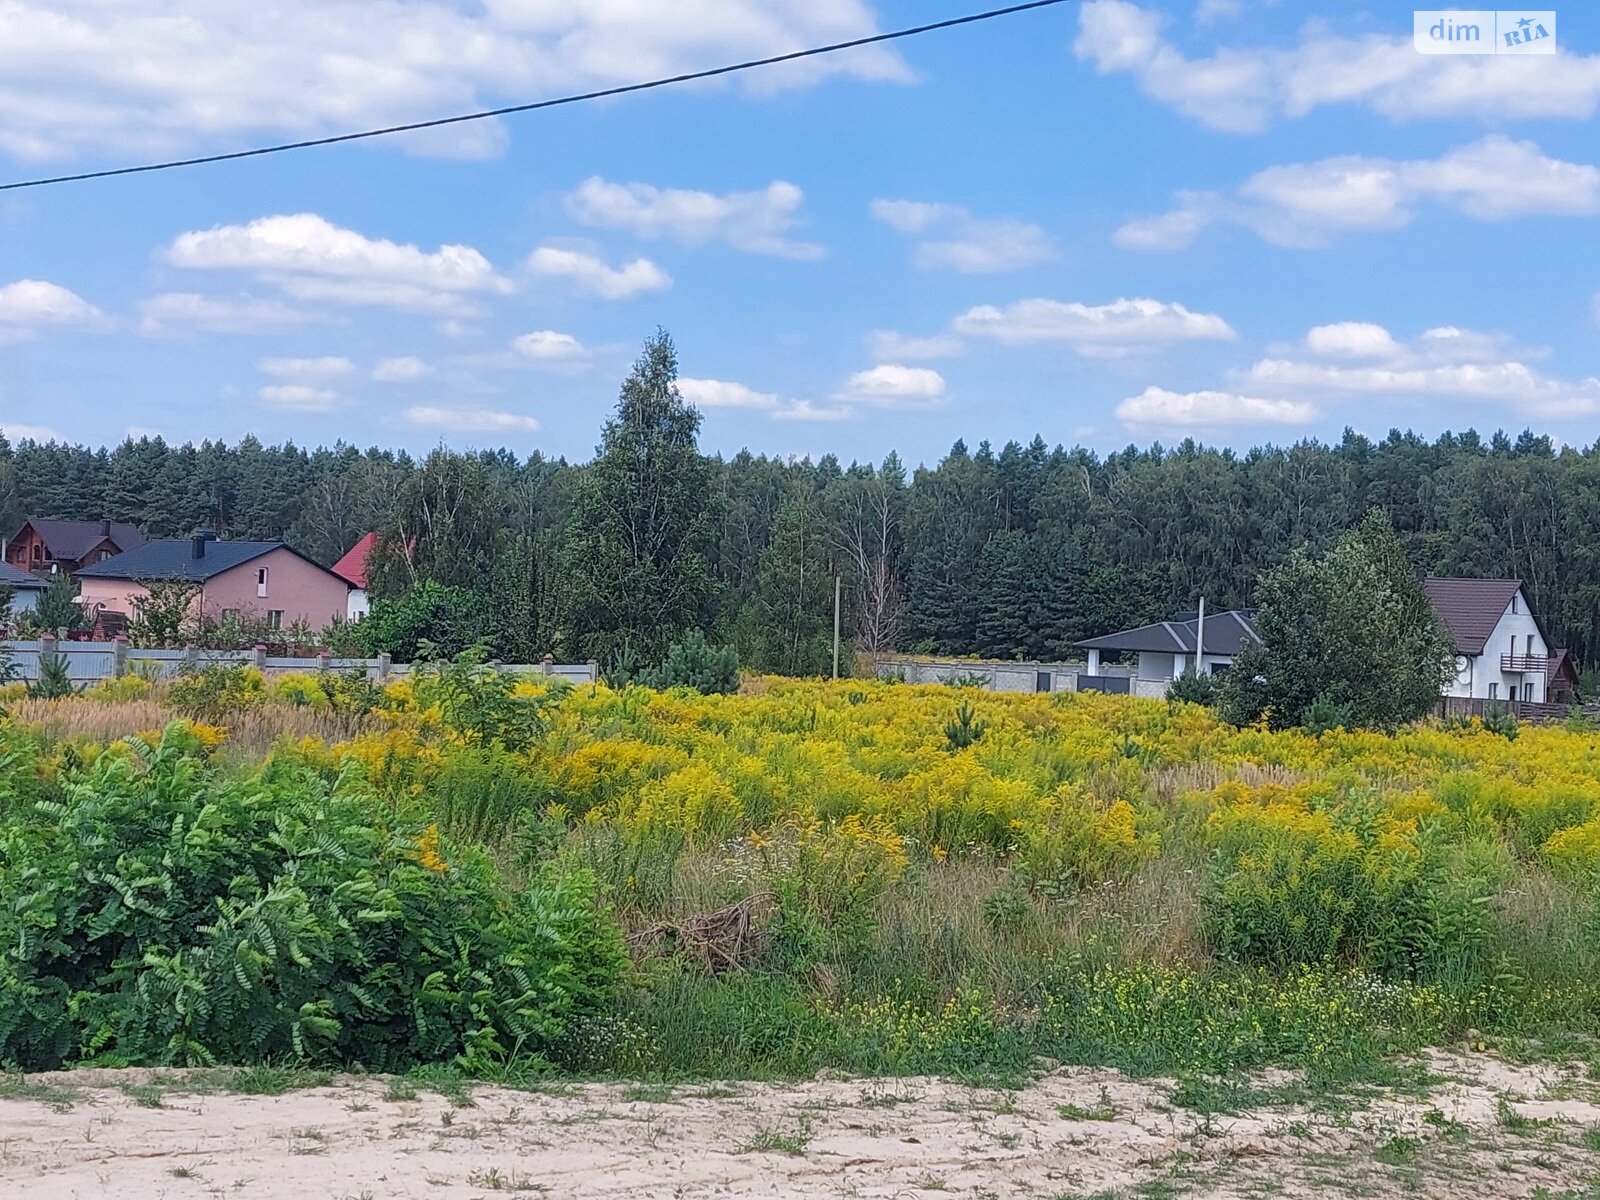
(499, 879)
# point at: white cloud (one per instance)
(470, 420)
(548, 346)
(172, 311)
(1209, 11)
(312, 259)
(83, 77)
(591, 276)
(887, 346)
(721, 393)
(958, 241)
(307, 370)
(891, 385)
(1302, 205)
(299, 397)
(1095, 330)
(16, 432)
(404, 369)
(1352, 339)
(758, 222)
(1444, 362)
(28, 305)
(1243, 89)
(1158, 408)
(805, 410)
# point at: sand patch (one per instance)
(1072, 1133)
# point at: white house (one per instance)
(1502, 652)
(1501, 649)
(352, 568)
(1165, 650)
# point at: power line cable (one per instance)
(557, 102)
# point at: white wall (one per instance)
(1153, 665)
(1476, 677)
(24, 600)
(358, 608)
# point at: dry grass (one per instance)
(251, 733)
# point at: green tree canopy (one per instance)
(638, 552)
(1349, 632)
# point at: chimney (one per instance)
(105, 528)
(197, 544)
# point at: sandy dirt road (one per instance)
(1483, 1129)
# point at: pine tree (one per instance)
(639, 549)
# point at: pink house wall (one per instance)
(295, 588)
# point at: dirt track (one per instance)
(1486, 1129)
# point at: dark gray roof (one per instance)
(173, 558)
(1471, 608)
(14, 578)
(1224, 633)
(73, 539)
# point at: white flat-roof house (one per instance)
(1502, 652)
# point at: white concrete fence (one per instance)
(1002, 675)
(90, 662)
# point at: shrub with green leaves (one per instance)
(696, 663)
(161, 910)
(217, 690)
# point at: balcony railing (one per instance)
(1515, 664)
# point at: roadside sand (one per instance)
(1490, 1129)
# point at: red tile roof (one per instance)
(1470, 609)
(352, 568)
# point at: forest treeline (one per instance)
(1009, 552)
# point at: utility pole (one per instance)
(838, 588)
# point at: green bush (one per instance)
(695, 663)
(54, 682)
(159, 910)
(1319, 890)
(217, 690)
(1192, 688)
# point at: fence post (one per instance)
(47, 650)
(119, 655)
(384, 661)
(594, 671)
(547, 664)
(258, 657)
(324, 661)
(191, 657)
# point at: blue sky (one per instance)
(1106, 223)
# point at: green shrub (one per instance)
(477, 701)
(1192, 688)
(695, 663)
(54, 682)
(965, 728)
(218, 690)
(159, 910)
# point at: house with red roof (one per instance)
(352, 568)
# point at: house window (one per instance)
(261, 581)
(275, 618)
(1513, 604)
(230, 614)
(1530, 645)
(1494, 691)
(38, 552)
(1527, 692)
